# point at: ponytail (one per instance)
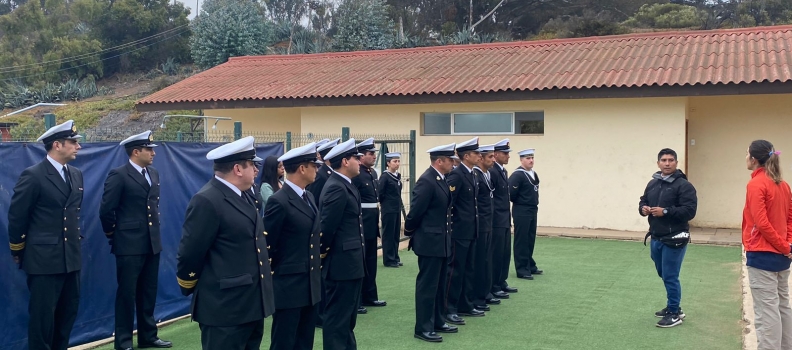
(773, 168)
(768, 158)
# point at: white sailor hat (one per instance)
(241, 149)
(321, 142)
(143, 139)
(344, 149)
(392, 155)
(503, 146)
(367, 145)
(299, 155)
(443, 151)
(526, 152)
(66, 130)
(486, 148)
(324, 148)
(469, 145)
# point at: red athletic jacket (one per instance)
(767, 217)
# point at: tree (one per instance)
(667, 16)
(229, 28)
(363, 25)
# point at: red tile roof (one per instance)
(761, 54)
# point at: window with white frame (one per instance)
(483, 123)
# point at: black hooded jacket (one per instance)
(678, 196)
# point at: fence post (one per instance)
(179, 136)
(237, 130)
(288, 141)
(49, 120)
(344, 134)
(413, 162)
(383, 161)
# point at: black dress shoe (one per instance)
(537, 272)
(362, 310)
(431, 337)
(375, 303)
(159, 343)
(493, 301)
(454, 319)
(400, 263)
(124, 349)
(392, 265)
(473, 313)
(525, 277)
(482, 307)
(501, 295)
(447, 329)
(508, 289)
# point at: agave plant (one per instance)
(170, 67)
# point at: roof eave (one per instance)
(549, 94)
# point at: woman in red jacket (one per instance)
(766, 236)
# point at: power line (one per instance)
(74, 58)
(100, 60)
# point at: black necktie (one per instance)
(144, 175)
(248, 197)
(305, 197)
(67, 177)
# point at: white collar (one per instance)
(58, 166)
(344, 176)
(137, 167)
(296, 188)
(466, 167)
(231, 186)
(500, 166)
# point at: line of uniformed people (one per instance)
(238, 276)
(459, 227)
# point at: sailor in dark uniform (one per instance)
(463, 184)
(366, 184)
(315, 188)
(254, 192)
(524, 193)
(293, 226)
(44, 233)
(223, 254)
(428, 226)
(501, 222)
(389, 190)
(482, 280)
(342, 247)
(130, 219)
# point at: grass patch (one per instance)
(595, 294)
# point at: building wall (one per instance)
(258, 119)
(721, 129)
(594, 159)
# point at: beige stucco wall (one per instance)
(258, 119)
(722, 128)
(594, 159)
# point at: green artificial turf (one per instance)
(595, 294)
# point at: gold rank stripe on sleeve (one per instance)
(17, 247)
(186, 284)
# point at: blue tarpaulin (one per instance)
(183, 169)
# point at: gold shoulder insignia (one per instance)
(452, 188)
(192, 274)
(186, 284)
(17, 247)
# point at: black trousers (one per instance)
(137, 277)
(524, 242)
(459, 292)
(293, 328)
(245, 336)
(501, 257)
(53, 308)
(369, 290)
(430, 292)
(320, 306)
(482, 270)
(391, 232)
(340, 316)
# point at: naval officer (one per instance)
(44, 233)
(501, 222)
(223, 256)
(129, 213)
